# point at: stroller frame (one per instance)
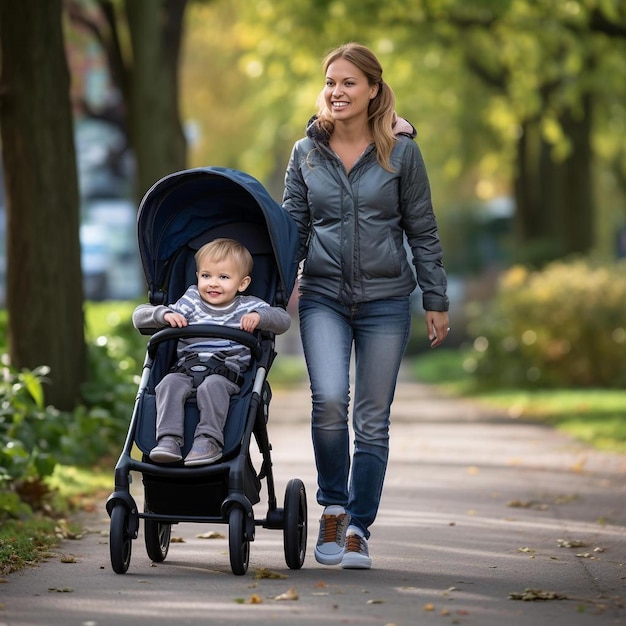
(230, 487)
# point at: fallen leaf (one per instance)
(211, 534)
(375, 602)
(527, 504)
(61, 589)
(574, 543)
(64, 530)
(255, 599)
(261, 572)
(527, 550)
(429, 607)
(565, 499)
(536, 594)
(68, 559)
(290, 594)
(177, 540)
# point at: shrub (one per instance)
(29, 431)
(562, 326)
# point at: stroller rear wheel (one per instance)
(238, 544)
(295, 523)
(120, 542)
(157, 538)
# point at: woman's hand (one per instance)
(437, 327)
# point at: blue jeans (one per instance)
(379, 331)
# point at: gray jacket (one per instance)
(352, 225)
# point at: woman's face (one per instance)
(347, 92)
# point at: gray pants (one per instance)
(213, 398)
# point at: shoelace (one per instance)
(354, 544)
(332, 528)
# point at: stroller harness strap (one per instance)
(198, 369)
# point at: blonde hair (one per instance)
(223, 248)
(381, 111)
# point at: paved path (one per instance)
(476, 507)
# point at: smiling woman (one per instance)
(357, 190)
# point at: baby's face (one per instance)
(220, 281)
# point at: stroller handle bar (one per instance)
(250, 340)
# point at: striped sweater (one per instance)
(197, 311)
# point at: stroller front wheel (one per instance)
(120, 542)
(238, 544)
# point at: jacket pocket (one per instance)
(380, 257)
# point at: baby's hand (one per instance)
(250, 321)
(175, 320)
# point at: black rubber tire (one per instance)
(120, 542)
(238, 545)
(157, 536)
(295, 523)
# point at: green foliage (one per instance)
(439, 367)
(560, 327)
(287, 370)
(34, 438)
(29, 431)
(595, 416)
(25, 541)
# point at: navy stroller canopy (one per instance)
(188, 208)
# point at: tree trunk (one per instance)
(577, 209)
(555, 204)
(44, 281)
(156, 132)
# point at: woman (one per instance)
(356, 190)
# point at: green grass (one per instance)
(595, 416)
(25, 541)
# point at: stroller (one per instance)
(178, 215)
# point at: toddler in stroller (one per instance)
(211, 368)
(178, 216)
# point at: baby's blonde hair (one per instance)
(224, 248)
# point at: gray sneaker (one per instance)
(203, 452)
(332, 536)
(356, 554)
(167, 450)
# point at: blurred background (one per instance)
(519, 107)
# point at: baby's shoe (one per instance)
(203, 451)
(167, 450)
